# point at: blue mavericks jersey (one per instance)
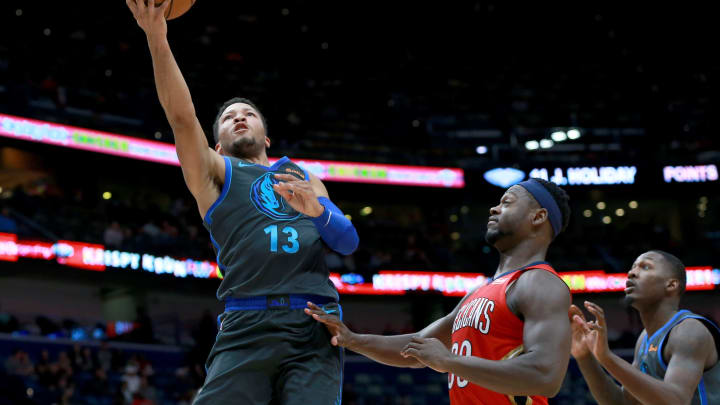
(264, 246)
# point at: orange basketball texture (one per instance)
(176, 7)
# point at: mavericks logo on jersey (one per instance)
(267, 201)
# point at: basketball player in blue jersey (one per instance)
(676, 356)
(268, 224)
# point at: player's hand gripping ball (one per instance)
(175, 9)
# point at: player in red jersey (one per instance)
(506, 342)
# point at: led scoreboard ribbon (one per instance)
(387, 282)
(160, 152)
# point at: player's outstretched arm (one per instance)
(602, 387)
(543, 300)
(384, 349)
(689, 345)
(202, 167)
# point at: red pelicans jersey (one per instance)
(486, 327)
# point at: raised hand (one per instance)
(428, 351)
(596, 333)
(299, 194)
(150, 16)
(341, 335)
(579, 344)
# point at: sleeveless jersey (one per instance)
(264, 246)
(652, 361)
(486, 327)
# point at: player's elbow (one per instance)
(552, 388)
(348, 242)
(180, 118)
(550, 379)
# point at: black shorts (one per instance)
(274, 356)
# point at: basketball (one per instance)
(176, 7)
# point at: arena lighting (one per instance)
(532, 145)
(160, 152)
(546, 143)
(559, 136)
(504, 176)
(573, 134)
(481, 150)
(385, 282)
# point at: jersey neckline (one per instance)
(272, 167)
(533, 264)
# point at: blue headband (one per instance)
(546, 200)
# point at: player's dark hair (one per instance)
(676, 267)
(234, 100)
(561, 199)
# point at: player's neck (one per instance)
(653, 317)
(260, 159)
(520, 256)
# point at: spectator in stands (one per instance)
(66, 390)
(131, 379)
(334, 261)
(104, 357)
(8, 323)
(98, 386)
(7, 224)
(43, 369)
(89, 362)
(147, 394)
(64, 364)
(76, 358)
(113, 236)
(19, 364)
(144, 332)
(127, 396)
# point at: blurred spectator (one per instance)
(98, 386)
(89, 362)
(147, 394)
(104, 357)
(42, 368)
(8, 323)
(19, 364)
(76, 358)
(204, 334)
(334, 261)
(64, 363)
(114, 235)
(7, 223)
(144, 332)
(131, 378)
(65, 389)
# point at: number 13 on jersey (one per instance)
(291, 246)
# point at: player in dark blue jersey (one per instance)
(268, 224)
(676, 356)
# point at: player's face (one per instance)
(647, 279)
(241, 131)
(506, 218)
